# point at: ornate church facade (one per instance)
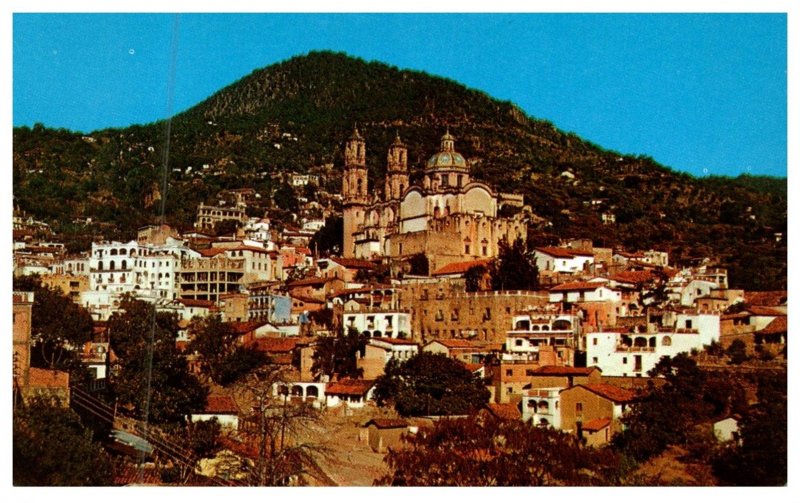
(449, 218)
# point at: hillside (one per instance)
(295, 115)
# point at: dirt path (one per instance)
(348, 461)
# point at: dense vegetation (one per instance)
(430, 384)
(295, 115)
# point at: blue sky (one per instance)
(702, 93)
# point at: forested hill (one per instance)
(295, 116)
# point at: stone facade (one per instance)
(448, 218)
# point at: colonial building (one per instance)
(449, 218)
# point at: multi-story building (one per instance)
(627, 353)
(449, 218)
(209, 216)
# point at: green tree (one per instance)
(52, 448)
(226, 227)
(144, 342)
(285, 199)
(59, 327)
(484, 451)
(222, 357)
(737, 352)
(337, 355)
(419, 265)
(665, 415)
(328, 240)
(515, 268)
(430, 384)
(279, 428)
(761, 459)
(474, 278)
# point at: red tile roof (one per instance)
(776, 326)
(350, 387)
(557, 252)
(629, 254)
(46, 378)
(454, 343)
(596, 424)
(611, 392)
(221, 404)
(196, 302)
(244, 327)
(504, 410)
(307, 300)
(558, 370)
(210, 252)
(768, 298)
(274, 344)
(351, 263)
(308, 282)
(633, 276)
(461, 267)
(395, 342)
(254, 249)
(764, 311)
(382, 423)
(577, 285)
(473, 367)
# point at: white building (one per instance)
(532, 332)
(562, 260)
(541, 407)
(635, 354)
(584, 291)
(378, 323)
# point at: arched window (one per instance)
(113, 251)
(124, 264)
(666, 341)
(437, 212)
(111, 266)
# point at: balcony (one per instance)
(630, 349)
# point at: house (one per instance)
(459, 349)
(379, 351)
(460, 269)
(352, 393)
(378, 323)
(504, 411)
(345, 269)
(623, 352)
(562, 260)
(223, 408)
(540, 403)
(385, 434)
(726, 429)
(585, 403)
(315, 288)
(46, 382)
(546, 338)
(584, 291)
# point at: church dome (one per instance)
(447, 157)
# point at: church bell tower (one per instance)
(354, 190)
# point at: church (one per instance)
(449, 218)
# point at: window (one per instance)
(518, 342)
(594, 341)
(466, 249)
(594, 359)
(624, 360)
(509, 372)
(578, 408)
(688, 323)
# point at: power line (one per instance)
(100, 409)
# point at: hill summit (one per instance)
(294, 116)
